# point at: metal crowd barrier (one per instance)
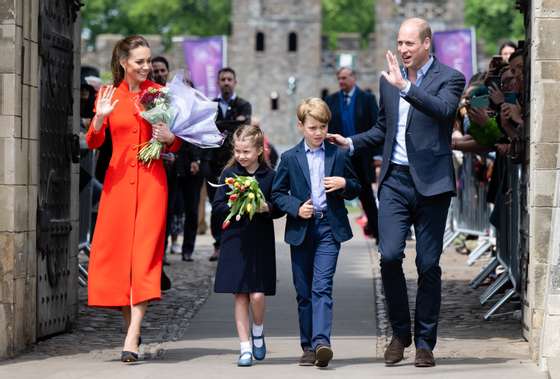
(470, 214)
(87, 171)
(507, 241)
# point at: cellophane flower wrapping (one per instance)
(244, 197)
(195, 119)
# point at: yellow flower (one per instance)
(251, 196)
(247, 183)
(249, 207)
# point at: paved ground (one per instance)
(98, 329)
(206, 347)
(462, 331)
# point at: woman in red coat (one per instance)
(127, 248)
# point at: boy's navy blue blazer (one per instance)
(292, 187)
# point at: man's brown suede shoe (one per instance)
(424, 358)
(395, 350)
(324, 355)
(307, 358)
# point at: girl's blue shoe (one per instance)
(259, 352)
(245, 359)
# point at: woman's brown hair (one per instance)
(122, 51)
(254, 133)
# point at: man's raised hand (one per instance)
(394, 76)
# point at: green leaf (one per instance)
(165, 17)
(348, 16)
(494, 21)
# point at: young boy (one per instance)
(312, 181)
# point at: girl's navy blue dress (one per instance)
(247, 260)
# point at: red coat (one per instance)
(127, 248)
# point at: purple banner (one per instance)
(204, 57)
(457, 49)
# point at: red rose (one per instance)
(233, 197)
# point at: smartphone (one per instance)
(510, 97)
(493, 81)
(482, 101)
(495, 62)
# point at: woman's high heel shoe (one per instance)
(130, 356)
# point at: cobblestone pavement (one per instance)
(100, 331)
(462, 332)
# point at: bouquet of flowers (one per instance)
(245, 197)
(189, 114)
(157, 108)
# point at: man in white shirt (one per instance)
(417, 107)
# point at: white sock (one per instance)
(257, 332)
(245, 347)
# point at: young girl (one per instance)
(247, 264)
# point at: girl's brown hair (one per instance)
(252, 132)
(122, 51)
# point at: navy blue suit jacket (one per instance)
(365, 111)
(292, 188)
(365, 116)
(433, 105)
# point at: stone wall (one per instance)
(543, 289)
(367, 73)
(19, 175)
(261, 73)
(441, 14)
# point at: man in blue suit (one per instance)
(417, 106)
(355, 111)
(313, 179)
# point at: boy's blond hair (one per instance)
(314, 107)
